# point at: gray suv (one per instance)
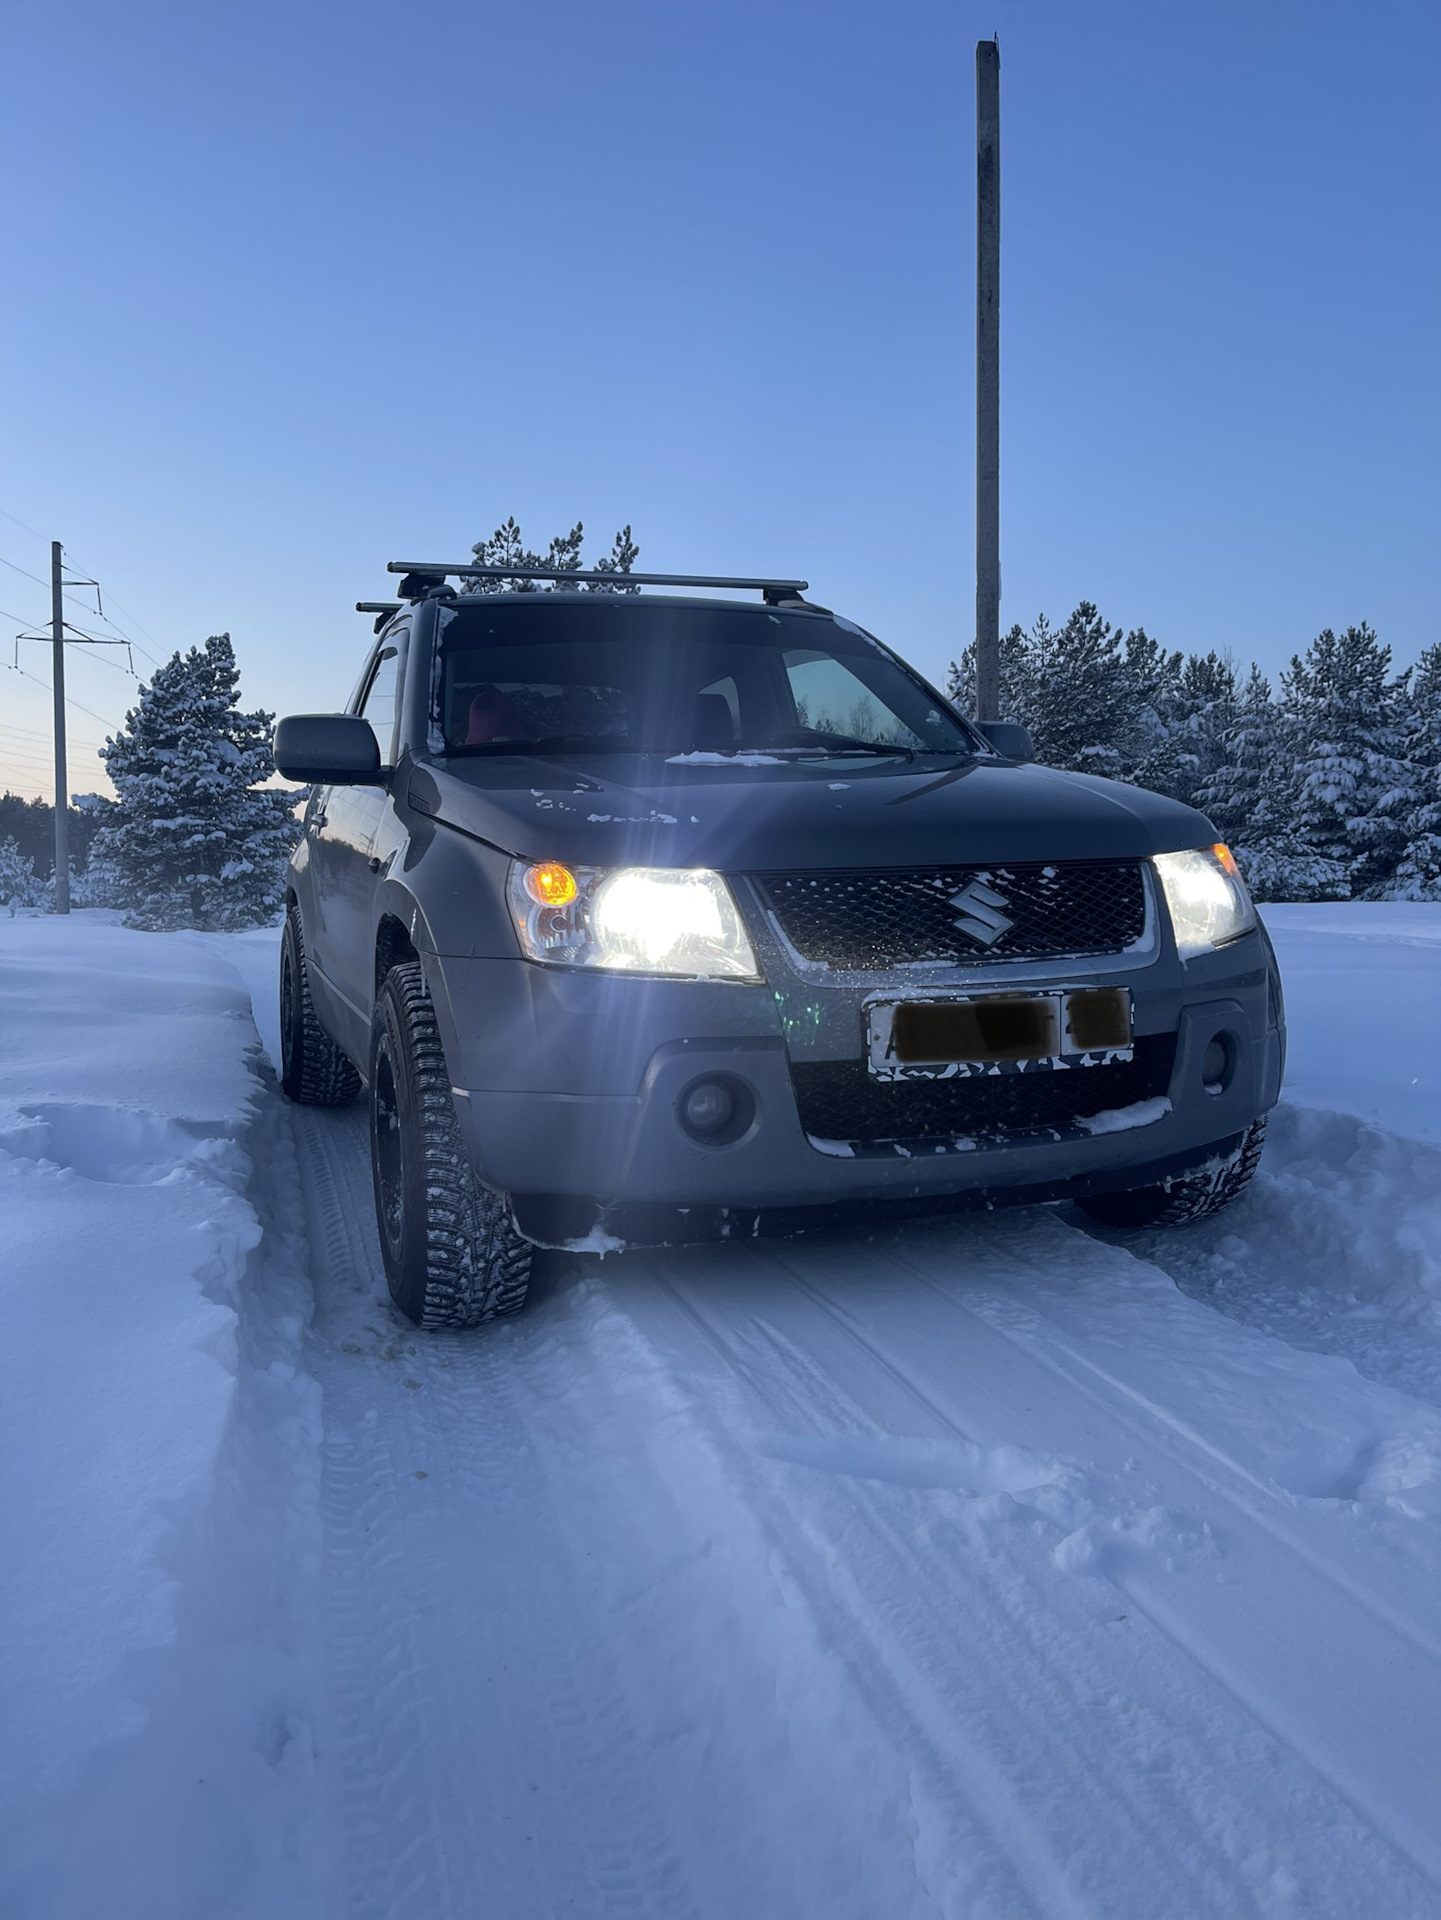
(665, 916)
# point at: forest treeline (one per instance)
(1328, 787)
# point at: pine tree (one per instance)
(1331, 792)
(195, 841)
(19, 886)
(507, 548)
(1353, 788)
(1418, 873)
(1071, 686)
(1015, 652)
(1186, 703)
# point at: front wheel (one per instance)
(1190, 1196)
(452, 1257)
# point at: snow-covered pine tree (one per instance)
(1418, 873)
(507, 548)
(195, 840)
(1250, 796)
(19, 886)
(1016, 701)
(1083, 700)
(1344, 722)
(1071, 686)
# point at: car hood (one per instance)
(758, 818)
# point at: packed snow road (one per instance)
(975, 1568)
(968, 1570)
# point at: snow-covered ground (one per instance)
(985, 1567)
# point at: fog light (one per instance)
(709, 1107)
(1216, 1065)
(716, 1111)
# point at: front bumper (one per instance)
(575, 1114)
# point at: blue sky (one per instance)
(296, 289)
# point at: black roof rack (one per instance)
(382, 609)
(426, 574)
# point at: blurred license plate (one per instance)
(997, 1030)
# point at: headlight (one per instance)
(632, 919)
(1207, 897)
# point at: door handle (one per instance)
(317, 821)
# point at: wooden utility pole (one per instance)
(62, 785)
(988, 380)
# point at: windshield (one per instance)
(688, 683)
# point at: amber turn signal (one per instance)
(552, 884)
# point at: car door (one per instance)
(342, 848)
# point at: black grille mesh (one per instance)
(840, 1100)
(865, 921)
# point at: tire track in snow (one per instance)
(1347, 1678)
(742, 1678)
(425, 1626)
(1046, 1677)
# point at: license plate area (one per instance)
(997, 1032)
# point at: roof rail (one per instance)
(435, 573)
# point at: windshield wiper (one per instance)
(831, 751)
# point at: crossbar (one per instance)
(605, 577)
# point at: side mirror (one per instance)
(1009, 738)
(328, 750)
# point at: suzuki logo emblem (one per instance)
(977, 912)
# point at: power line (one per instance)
(18, 569)
(26, 675)
(99, 612)
(128, 615)
(20, 523)
(34, 733)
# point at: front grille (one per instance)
(869, 921)
(840, 1100)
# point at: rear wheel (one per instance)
(313, 1070)
(452, 1256)
(1191, 1196)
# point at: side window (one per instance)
(830, 699)
(379, 703)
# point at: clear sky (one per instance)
(295, 289)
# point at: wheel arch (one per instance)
(402, 932)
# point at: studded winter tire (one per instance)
(1190, 1196)
(313, 1070)
(452, 1257)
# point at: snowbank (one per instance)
(126, 1087)
(1363, 1005)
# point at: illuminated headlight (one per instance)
(631, 919)
(1207, 897)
